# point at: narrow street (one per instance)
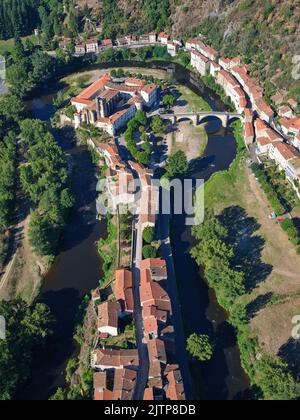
(138, 315)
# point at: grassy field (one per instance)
(275, 294)
(6, 46)
(196, 103)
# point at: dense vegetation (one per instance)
(45, 179)
(54, 18)
(141, 154)
(216, 253)
(11, 109)
(27, 327)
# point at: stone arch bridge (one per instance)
(198, 118)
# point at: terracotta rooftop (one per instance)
(108, 314)
(116, 358)
(94, 88)
(175, 389)
(286, 151)
(123, 289)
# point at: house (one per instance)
(296, 142)
(285, 111)
(101, 391)
(249, 133)
(107, 358)
(286, 158)
(193, 44)
(121, 42)
(208, 52)
(92, 46)
(123, 290)
(260, 127)
(290, 126)
(80, 49)
(163, 38)
(214, 68)
(121, 187)
(293, 103)
(107, 43)
(175, 387)
(172, 48)
(248, 115)
(108, 318)
(156, 267)
(278, 99)
(152, 37)
(111, 156)
(263, 145)
(228, 63)
(200, 62)
(264, 111)
(149, 93)
(157, 361)
(133, 82)
(293, 169)
(117, 385)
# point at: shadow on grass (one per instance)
(249, 247)
(290, 353)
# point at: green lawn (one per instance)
(7, 46)
(196, 103)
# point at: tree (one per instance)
(276, 380)
(158, 125)
(149, 252)
(60, 395)
(177, 165)
(148, 234)
(199, 347)
(168, 101)
(27, 327)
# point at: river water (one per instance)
(77, 268)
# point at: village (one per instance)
(149, 369)
(273, 135)
(140, 293)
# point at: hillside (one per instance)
(266, 33)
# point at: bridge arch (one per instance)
(234, 118)
(214, 118)
(192, 118)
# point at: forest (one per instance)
(27, 328)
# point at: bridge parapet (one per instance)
(198, 117)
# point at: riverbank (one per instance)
(77, 269)
(263, 316)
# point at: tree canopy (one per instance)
(199, 346)
(27, 327)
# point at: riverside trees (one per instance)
(46, 181)
(27, 327)
(214, 253)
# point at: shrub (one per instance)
(148, 234)
(149, 252)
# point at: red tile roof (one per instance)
(123, 289)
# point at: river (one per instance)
(77, 268)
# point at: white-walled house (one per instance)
(200, 62)
(108, 318)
